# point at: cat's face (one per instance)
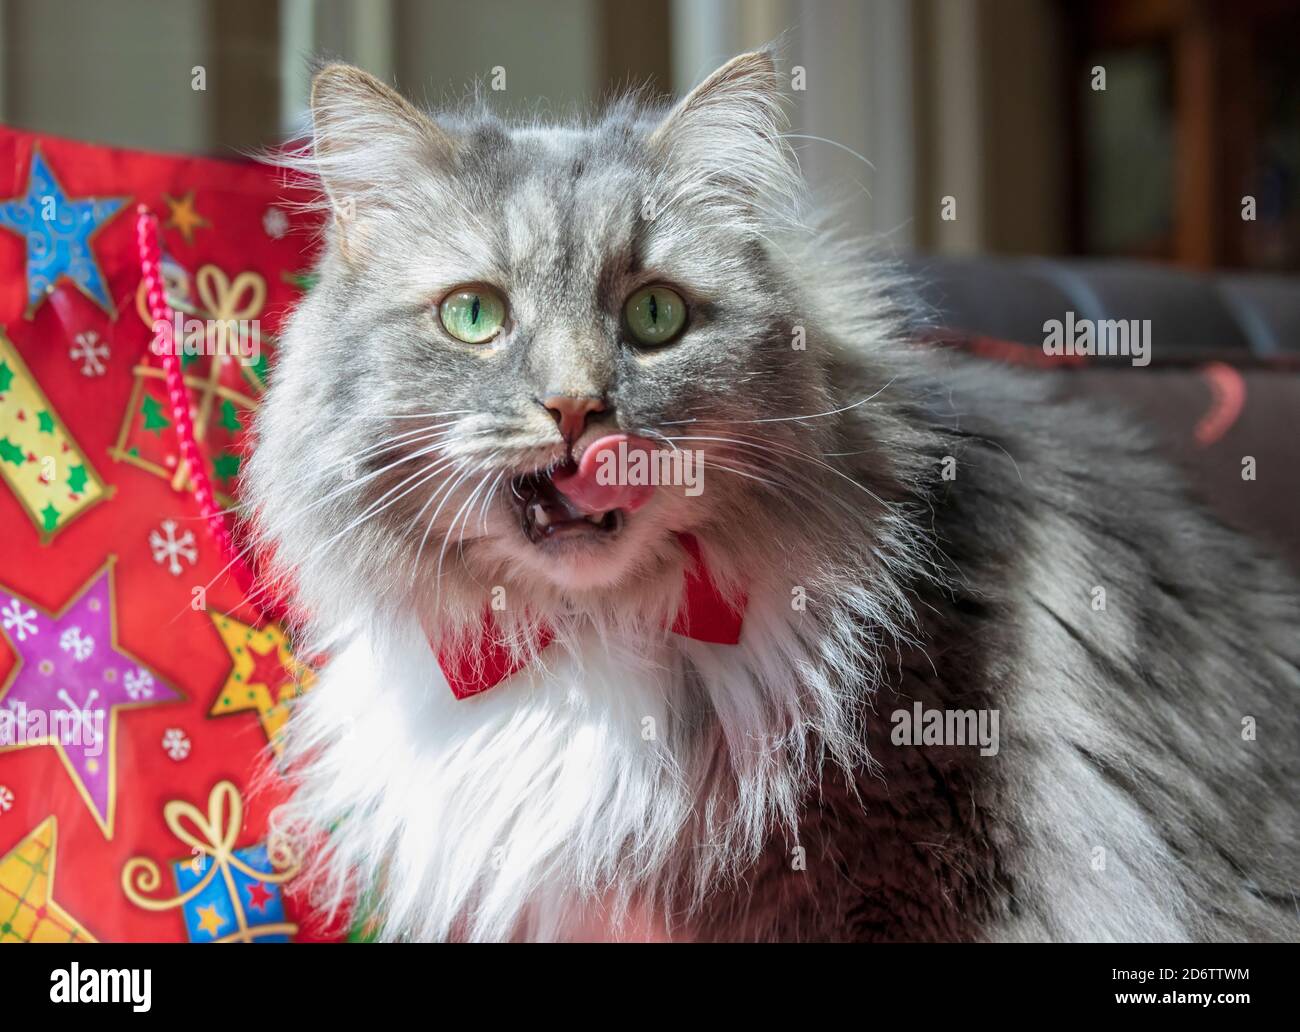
(493, 300)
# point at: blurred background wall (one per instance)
(993, 104)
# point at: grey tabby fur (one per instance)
(1124, 803)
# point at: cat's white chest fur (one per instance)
(583, 771)
(532, 791)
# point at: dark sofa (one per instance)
(1224, 377)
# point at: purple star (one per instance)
(69, 682)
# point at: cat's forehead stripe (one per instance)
(571, 212)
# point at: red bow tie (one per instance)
(704, 615)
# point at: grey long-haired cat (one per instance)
(496, 298)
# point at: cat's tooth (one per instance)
(540, 516)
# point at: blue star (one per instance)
(58, 231)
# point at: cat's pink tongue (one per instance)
(599, 483)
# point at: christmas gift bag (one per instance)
(139, 691)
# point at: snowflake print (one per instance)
(169, 548)
(275, 222)
(14, 618)
(82, 721)
(176, 743)
(82, 646)
(91, 352)
(6, 799)
(138, 684)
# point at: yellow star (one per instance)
(183, 216)
(26, 877)
(259, 656)
(209, 921)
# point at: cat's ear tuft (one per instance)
(366, 137)
(745, 88)
(727, 133)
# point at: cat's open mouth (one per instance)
(590, 497)
(547, 515)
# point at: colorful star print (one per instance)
(265, 676)
(89, 456)
(28, 912)
(58, 231)
(183, 217)
(209, 920)
(259, 896)
(69, 683)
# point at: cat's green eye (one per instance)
(655, 315)
(473, 314)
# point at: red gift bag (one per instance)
(138, 691)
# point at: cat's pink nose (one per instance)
(571, 413)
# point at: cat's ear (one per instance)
(725, 136)
(367, 140)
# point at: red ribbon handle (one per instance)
(150, 252)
